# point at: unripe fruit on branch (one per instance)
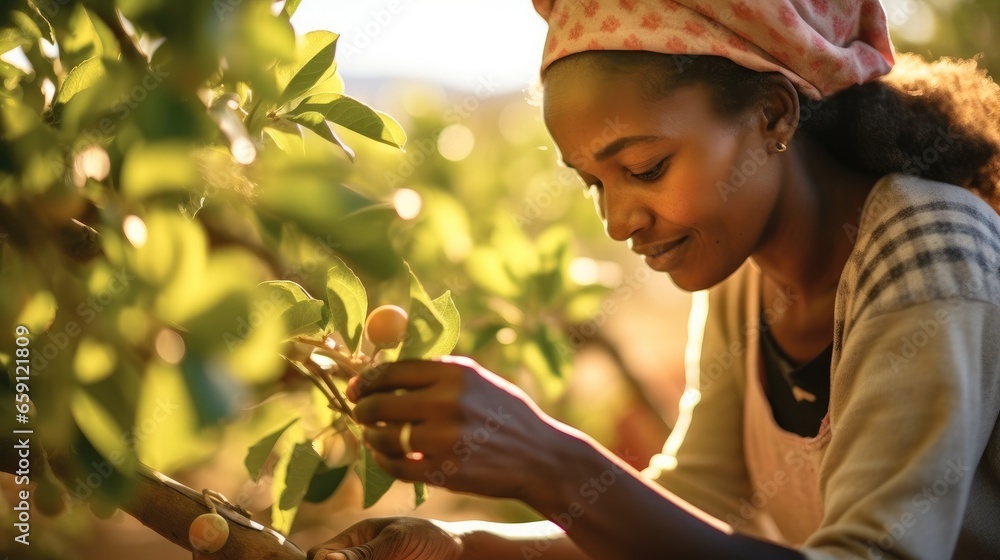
(102, 509)
(208, 532)
(48, 499)
(386, 326)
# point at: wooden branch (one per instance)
(168, 507)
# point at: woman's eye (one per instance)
(652, 173)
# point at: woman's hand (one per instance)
(390, 538)
(472, 431)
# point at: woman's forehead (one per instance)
(580, 105)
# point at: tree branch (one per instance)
(168, 507)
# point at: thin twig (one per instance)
(125, 41)
(336, 393)
(343, 362)
(309, 375)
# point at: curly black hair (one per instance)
(939, 120)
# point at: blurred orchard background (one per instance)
(476, 204)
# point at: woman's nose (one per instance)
(623, 214)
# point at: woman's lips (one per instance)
(666, 257)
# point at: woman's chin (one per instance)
(686, 283)
(696, 279)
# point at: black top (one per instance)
(799, 394)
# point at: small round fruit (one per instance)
(102, 509)
(386, 326)
(49, 499)
(208, 532)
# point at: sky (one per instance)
(463, 43)
(457, 43)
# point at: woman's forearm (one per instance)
(610, 511)
(503, 541)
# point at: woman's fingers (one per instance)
(430, 439)
(389, 539)
(387, 440)
(407, 374)
(409, 470)
(356, 535)
(406, 405)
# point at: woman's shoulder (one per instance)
(920, 240)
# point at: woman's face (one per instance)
(689, 191)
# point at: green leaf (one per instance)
(305, 319)
(311, 197)
(281, 293)
(425, 325)
(324, 483)
(419, 493)
(158, 168)
(375, 481)
(29, 27)
(485, 267)
(451, 326)
(354, 115)
(313, 62)
(550, 349)
(301, 467)
(258, 454)
(291, 6)
(286, 136)
(175, 443)
(87, 74)
(364, 240)
(348, 302)
(102, 428)
(76, 36)
(317, 123)
(11, 72)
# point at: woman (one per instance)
(844, 358)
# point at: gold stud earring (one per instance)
(780, 147)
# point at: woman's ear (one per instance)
(780, 109)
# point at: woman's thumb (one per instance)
(363, 552)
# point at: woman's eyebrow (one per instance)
(617, 146)
(620, 144)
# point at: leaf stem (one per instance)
(337, 394)
(311, 377)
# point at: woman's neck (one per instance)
(809, 236)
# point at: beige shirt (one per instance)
(907, 461)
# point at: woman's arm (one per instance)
(483, 540)
(478, 433)
(612, 512)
